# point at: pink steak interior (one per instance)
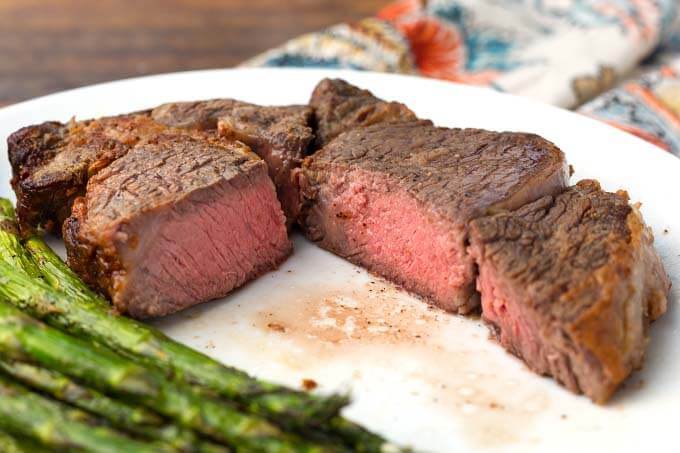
(383, 228)
(517, 329)
(215, 240)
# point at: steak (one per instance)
(279, 135)
(569, 283)
(194, 114)
(340, 106)
(396, 198)
(176, 222)
(51, 162)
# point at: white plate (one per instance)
(417, 375)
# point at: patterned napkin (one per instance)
(615, 60)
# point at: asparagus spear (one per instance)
(9, 444)
(91, 317)
(15, 444)
(134, 419)
(64, 389)
(55, 425)
(25, 339)
(11, 250)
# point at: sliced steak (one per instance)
(396, 198)
(174, 223)
(194, 114)
(340, 106)
(51, 162)
(280, 136)
(569, 284)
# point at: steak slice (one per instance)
(195, 114)
(280, 136)
(396, 198)
(174, 223)
(569, 284)
(340, 106)
(51, 162)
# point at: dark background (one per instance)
(52, 45)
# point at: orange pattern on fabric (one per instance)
(668, 71)
(644, 24)
(437, 47)
(649, 14)
(654, 103)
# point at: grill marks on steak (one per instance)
(340, 107)
(570, 283)
(396, 198)
(176, 222)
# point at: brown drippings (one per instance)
(276, 326)
(363, 317)
(309, 384)
(375, 313)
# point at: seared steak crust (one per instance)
(340, 106)
(31, 146)
(569, 283)
(28, 148)
(194, 114)
(52, 162)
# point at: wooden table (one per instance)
(52, 45)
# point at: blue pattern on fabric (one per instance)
(484, 50)
(310, 62)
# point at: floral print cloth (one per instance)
(615, 60)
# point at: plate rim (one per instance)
(350, 73)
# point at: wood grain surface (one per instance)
(52, 45)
